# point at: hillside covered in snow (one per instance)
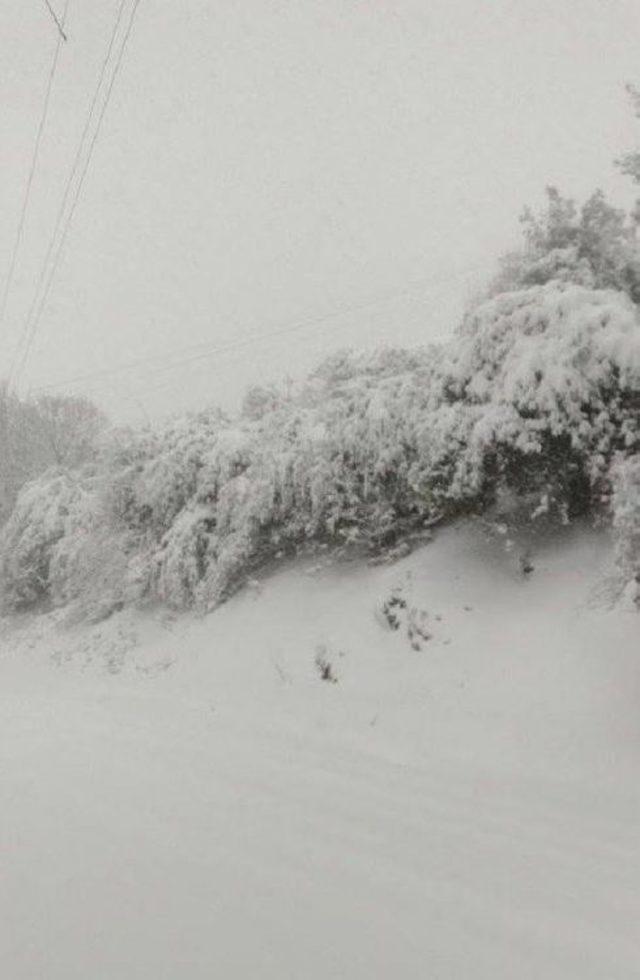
(424, 769)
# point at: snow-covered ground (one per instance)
(458, 798)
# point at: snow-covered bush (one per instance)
(36, 526)
(59, 547)
(553, 373)
(530, 402)
(91, 568)
(626, 519)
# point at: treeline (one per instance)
(531, 413)
(38, 433)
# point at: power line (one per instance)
(39, 301)
(190, 355)
(32, 171)
(69, 183)
(59, 25)
(166, 385)
(38, 305)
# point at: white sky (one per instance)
(335, 172)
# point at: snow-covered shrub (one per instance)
(39, 522)
(259, 400)
(90, 567)
(155, 473)
(59, 547)
(553, 373)
(522, 412)
(626, 518)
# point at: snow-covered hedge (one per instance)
(532, 400)
(555, 373)
(626, 511)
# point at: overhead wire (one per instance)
(319, 348)
(57, 21)
(154, 381)
(63, 222)
(33, 166)
(64, 216)
(166, 385)
(192, 354)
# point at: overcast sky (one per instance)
(277, 178)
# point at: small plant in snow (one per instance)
(525, 564)
(418, 631)
(324, 666)
(391, 609)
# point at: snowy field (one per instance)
(457, 799)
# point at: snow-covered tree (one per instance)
(593, 246)
(38, 433)
(71, 427)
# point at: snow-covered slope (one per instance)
(458, 798)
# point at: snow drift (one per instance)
(459, 798)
